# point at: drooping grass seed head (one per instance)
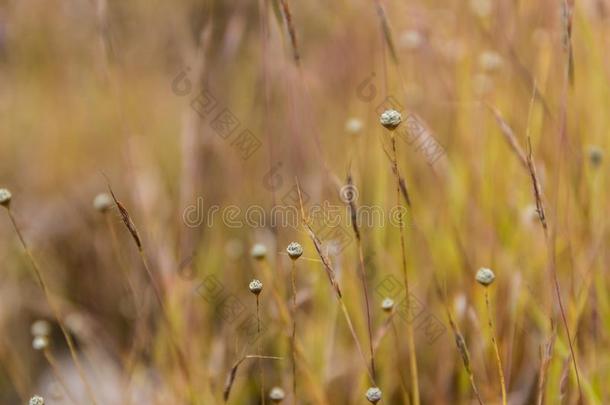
(387, 305)
(103, 202)
(255, 286)
(40, 328)
(276, 395)
(295, 250)
(36, 400)
(259, 251)
(373, 394)
(40, 342)
(390, 119)
(596, 156)
(485, 276)
(5, 197)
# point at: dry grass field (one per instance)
(440, 166)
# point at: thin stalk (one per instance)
(495, 345)
(410, 338)
(260, 350)
(54, 309)
(294, 330)
(401, 376)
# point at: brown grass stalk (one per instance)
(354, 219)
(333, 282)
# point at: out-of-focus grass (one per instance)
(71, 112)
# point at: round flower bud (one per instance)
(40, 342)
(36, 400)
(596, 156)
(255, 286)
(5, 197)
(276, 395)
(490, 61)
(294, 250)
(103, 202)
(353, 125)
(259, 251)
(373, 394)
(387, 305)
(390, 119)
(40, 328)
(485, 276)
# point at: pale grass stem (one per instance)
(54, 308)
(495, 345)
(410, 337)
(294, 331)
(284, 317)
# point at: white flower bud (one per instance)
(5, 197)
(255, 286)
(276, 395)
(373, 394)
(390, 119)
(295, 250)
(259, 251)
(485, 276)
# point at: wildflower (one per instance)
(373, 394)
(387, 304)
(353, 125)
(103, 202)
(411, 39)
(276, 395)
(490, 61)
(259, 251)
(255, 286)
(485, 276)
(40, 328)
(295, 250)
(5, 197)
(40, 342)
(37, 400)
(390, 119)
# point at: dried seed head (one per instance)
(373, 394)
(390, 119)
(353, 125)
(259, 251)
(103, 202)
(490, 61)
(295, 250)
(485, 276)
(596, 156)
(387, 304)
(37, 400)
(255, 286)
(40, 328)
(411, 39)
(5, 197)
(276, 395)
(40, 342)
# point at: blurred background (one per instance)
(196, 111)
